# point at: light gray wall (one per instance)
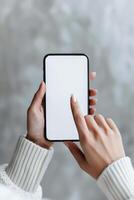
(29, 29)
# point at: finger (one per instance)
(92, 102)
(92, 76)
(91, 123)
(112, 124)
(93, 92)
(92, 111)
(39, 95)
(100, 120)
(78, 118)
(77, 154)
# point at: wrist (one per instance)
(28, 165)
(38, 141)
(116, 181)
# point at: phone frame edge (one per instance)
(44, 100)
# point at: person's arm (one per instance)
(33, 153)
(102, 154)
(28, 164)
(117, 180)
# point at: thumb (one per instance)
(39, 95)
(78, 155)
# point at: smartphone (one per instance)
(64, 75)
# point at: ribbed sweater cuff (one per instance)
(28, 164)
(117, 180)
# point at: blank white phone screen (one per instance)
(64, 75)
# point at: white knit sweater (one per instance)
(21, 178)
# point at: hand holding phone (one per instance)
(35, 114)
(35, 119)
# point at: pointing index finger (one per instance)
(78, 118)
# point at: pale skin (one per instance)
(100, 141)
(100, 138)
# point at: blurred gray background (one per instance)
(29, 29)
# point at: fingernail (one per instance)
(94, 73)
(41, 84)
(96, 90)
(73, 98)
(66, 144)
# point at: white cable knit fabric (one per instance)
(117, 180)
(28, 164)
(26, 169)
(11, 188)
(20, 179)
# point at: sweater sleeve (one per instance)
(117, 180)
(28, 165)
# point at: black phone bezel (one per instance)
(44, 78)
